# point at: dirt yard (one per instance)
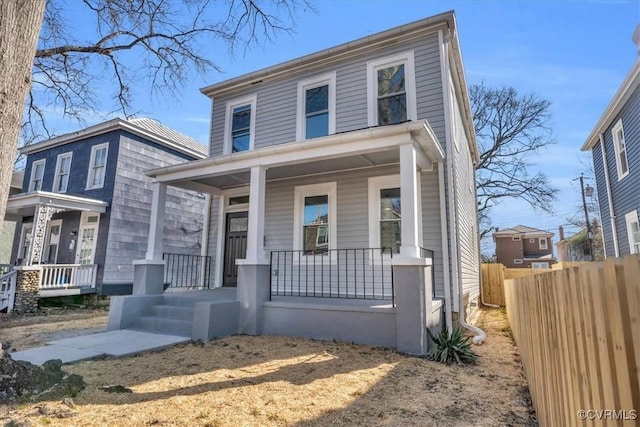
(278, 381)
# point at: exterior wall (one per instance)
(431, 223)
(533, 248)
(130, 211)
(624, 193)
(507, 250)
(276, 101)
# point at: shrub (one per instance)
(454, 347)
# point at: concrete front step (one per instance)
(164, 325)
(172, 312)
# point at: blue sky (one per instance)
(574, 53)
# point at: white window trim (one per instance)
(376, 184)
(91, 164)
(302, 191)
(630, 218)
(231, 104)
(542, 243)
(614, 132)
(56, 178)
(410, 84)
(303, 86)
(34, 165)
(517, 261)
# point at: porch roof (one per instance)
(371, 147)
(24, 204)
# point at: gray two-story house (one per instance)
(615, 145)
(343, 200)
(84, 211)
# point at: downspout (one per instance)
(445, 249)
(453, 217)
(612, 217)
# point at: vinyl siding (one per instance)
(624, 193)
(131, 211)
(276, 100)
(352, 213)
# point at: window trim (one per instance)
(92, 160)
(406, 58)
(303, 86)
(34, 166)
(56, 178)
(541, 246)
(377, 183)
(300, 192)
(518, 261)
(251, 100)
(614, 133)
(23, 233)
(516, 239)
(630, 218)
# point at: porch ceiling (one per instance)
(24, 204)
(365, 148)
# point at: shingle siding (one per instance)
(624, 193)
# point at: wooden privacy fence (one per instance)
(578, 333)
(493, 277)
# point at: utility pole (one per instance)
(586, 217)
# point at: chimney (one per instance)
(636, 38)
(561, 233)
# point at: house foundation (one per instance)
(27, 287)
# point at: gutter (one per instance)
(612, 216)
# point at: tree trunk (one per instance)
(20, 23)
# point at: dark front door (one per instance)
(235, 246)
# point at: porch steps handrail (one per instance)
(8, 290)
(63, 276)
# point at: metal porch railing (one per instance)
(335, 273)
(187, 271)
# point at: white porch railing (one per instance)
(8, 290)
(63, 276)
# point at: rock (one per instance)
(21, 380)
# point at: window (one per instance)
(516, 239)
(63, 167)
(315, 218)
(620, 146)
(542, 243)
(52, 241)
(239, 134)
(37, 175)
(391, 90)
(633, 231)
(25, 246)
(539, 265)
(385, 212)
(517, 261)
(532, 240)
(316, 107)
(97, 166)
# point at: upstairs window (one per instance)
(316, 107)
(37, 175)
(391, 90)
(63, 168)
(542, 243)
(622, 164)
(97, 166)
(240, 125)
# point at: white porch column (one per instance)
(156, 227)
(409, 201)
(255, 229)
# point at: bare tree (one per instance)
(510, 128)
(120, 44)
(20, 21)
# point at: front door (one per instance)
(235, 246)
(52, 241)
(87, 238)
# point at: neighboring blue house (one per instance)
(615, 145)
(84, 210)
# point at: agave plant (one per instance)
(454, 347)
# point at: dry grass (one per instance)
(277, 381)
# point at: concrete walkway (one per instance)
(118, 343)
